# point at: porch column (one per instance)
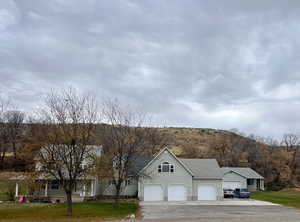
(84, 188)
(17, 189)
(46, 189)
(92, 188)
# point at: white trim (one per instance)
(167, 149)
(161, 167)
(17, 190)
(46, 189)
(92, 188)
(232, 171)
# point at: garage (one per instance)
(231, 185)
(177, 192)
(207, 192)
(153, 192)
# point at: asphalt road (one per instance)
(220, 213)
(217, 213)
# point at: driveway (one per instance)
(218, 211)
(225, 202)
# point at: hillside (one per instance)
(196, 138)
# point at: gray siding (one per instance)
(129, 190)
(253, 187)
(180, 176)
(97, 187)
(234, 177)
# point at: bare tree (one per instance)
(3, 131)
(14, 125)
(291, 142)
(68, 121)
(124, 140)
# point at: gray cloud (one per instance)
(218, 64)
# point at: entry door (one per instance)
(207, 192)
(177, 193)
(153, 192)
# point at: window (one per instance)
(83, 166)
(54, 185)
(127, 182)
(159, 168)
(166, 167)
(250, 181)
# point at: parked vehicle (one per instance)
(228, 193)
(241, 193)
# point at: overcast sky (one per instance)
(208, 64)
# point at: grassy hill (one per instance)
(199, 138)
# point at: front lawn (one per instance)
(84, 211)
(285, 197)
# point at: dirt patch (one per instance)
(296, 189)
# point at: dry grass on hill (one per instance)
(199, 138)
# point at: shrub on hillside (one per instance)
(276, 186)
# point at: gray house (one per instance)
(50, 188)
(163, 177)
(235, 177)
(169, 178)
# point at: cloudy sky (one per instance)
(213, 64)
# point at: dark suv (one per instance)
(228, 193)
(241, 193)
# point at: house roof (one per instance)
(243, 171)
(171, 153)
(198, 168)
(203, 168)
(139, 162)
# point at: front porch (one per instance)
(52, 190)
(255, 184)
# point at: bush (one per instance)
(276, 186)
(10, 191)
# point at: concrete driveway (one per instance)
(218, 211)
(225, 202)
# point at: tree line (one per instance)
(62, 132)
(277, 161)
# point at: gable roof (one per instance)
(203, 168)
(170, 152)
(138, 163)
(198, 168)
(243, 171)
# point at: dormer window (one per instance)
(166, 167)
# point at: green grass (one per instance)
(84, 211)
(3, 188)
(288, 197)
(6, 185)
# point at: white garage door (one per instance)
(153, 193)
(231, 185)
(177, 192)
(207, 192)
